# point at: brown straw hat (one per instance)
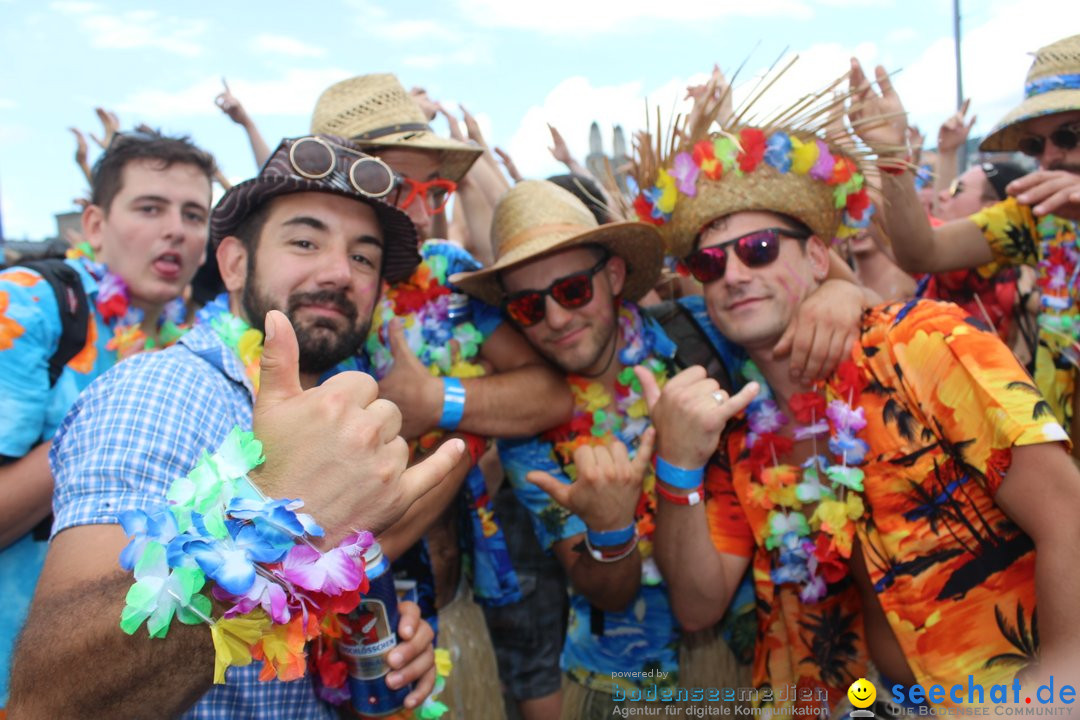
(537, 218)
(375, 111)
(1052, 86)
(797, 161)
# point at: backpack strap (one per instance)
(693, 346)
(74, 309)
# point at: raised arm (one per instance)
(880, 121)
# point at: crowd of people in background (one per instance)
(784, 402)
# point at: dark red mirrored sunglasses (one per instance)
(754, 250)
(1065, 137)
(527, 307)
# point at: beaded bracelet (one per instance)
(682, 478)
(612, 554)
(453, 403)
(281, 590)
(694, 497)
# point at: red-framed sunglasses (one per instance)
(754, 250)
(528, 307)
(435, 194)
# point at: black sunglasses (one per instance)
(528, 307)
(754, 250)
(1065, 137)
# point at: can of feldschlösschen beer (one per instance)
(369, 634)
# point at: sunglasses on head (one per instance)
(435, 194)
(754, 250)
(528, 307)
(314, 158)
(1065, 137)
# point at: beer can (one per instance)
(369, 634)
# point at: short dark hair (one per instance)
(165, 151)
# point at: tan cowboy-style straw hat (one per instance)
(375, 111)
(536, 218)
(1052, 86)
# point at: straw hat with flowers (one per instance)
(537, 218)
(1052, 86)
(798, 161)
(375, 111)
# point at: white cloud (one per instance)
(996, 58)
(8, 104)
(573, 17)
(293, 94)
(135, 28)
(267, 44)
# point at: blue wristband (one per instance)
(611, 538)
(453, 404)
(678, 477)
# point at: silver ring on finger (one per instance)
(719, 396)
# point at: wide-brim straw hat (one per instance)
(537, 218)
(375, 111)
(1052, 86)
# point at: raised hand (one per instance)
(336, 446)
(953, 133)
(409, 385)
(452, 121)
(508, 163)
(81, 155)
(690, 413)
(110, 124)
(427, 105)
(231, 106)
(608, 486)
(473, 127)
(558, 149)
(878, 118)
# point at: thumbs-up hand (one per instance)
(409, 385)
(608, 486)
(690, 413)
(336, 446)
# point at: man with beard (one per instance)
(316, 241)
(1036, 227)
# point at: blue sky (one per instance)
(514, 64)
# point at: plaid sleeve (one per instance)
(1010, 230)
(551, 521)
(29, 333)
(135, 429)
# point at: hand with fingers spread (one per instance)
(825, 327)
(110, 124)
(452, 121)
(336, 446)
(81, 155)
(1054, 192)
(690, 413)
(878, 118)
(954, 132)
(417, 393)
(608, 486)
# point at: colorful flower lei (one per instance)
(732, 155)
(594, 420)
(245, 341)
(281, 590)
(113, 302)
(809, 551)
(1058, 274)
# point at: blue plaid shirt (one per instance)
(128, 435)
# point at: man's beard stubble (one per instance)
(322, 345)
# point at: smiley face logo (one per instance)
(862, 693)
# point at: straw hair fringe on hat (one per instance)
(536, 218)
(375, 111)
(1052, 86)
(799, 161)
